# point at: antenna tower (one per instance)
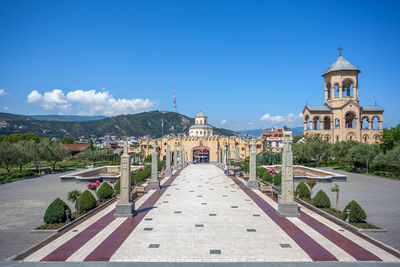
(175, 108)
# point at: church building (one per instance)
(342, 117)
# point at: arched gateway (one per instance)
(201, 154)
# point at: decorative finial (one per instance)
(340, 51)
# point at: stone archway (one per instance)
(201, 154)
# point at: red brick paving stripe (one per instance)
(352, 248)
(309, 245)
(64, 251)
(108, 247)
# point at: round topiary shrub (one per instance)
(116, 188)
(277, 179)
(356, 213)
(86, 202)
(302, 191)
(105, 192)
(55, 213)
(321, 200)
(267, 177)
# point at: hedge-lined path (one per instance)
(206, 216)
(22, 206)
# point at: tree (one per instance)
(23, 156)
(319, 149)
(53, 152)
(14, 138)
(8, 156)
(392, 157)
(340, 150)
(68, 140)
(390, 138)
(73, 196)
(301, 153)
(335, 189)
(363, 153)
(35, 153)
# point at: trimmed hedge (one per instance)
(117, 186)
(302, 191)
(356, 214)
(277, 179)
(260, 172)
(267, 177)
(105, 191)
(86, 202)
(55, 213)
(321, 200)
(138, 176)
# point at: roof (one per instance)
(201, 114)
(341, 64)
(76, 147)
(372, 108)
(318, 108)
(200, 126)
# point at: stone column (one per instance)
(287, 207)
(168, 172)
(183, 156)
(175, 158)
(154, 182)
(252, 183)
(223, 155)
(237, 156)
(180, 158)
(125, 207)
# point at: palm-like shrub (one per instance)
(105, 191)
(86, 202)
(73, 196)
(321, 200)
(302, 191)
(55, 213)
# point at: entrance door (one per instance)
(201, 155)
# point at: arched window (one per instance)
(337, 94)
(328, 88)
(317, 123)
(348, 88)
(375, 123)
(307, 122)
(365, 123)
(350, 120)
(327, 123)
(337, 123)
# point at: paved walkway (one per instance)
(378, 196)
(22, 206)
(204, 216)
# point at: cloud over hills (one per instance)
(89, 102)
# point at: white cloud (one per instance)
(289, 119)
(5, 108)
(90, 102)
(223, 122)
(49, 100)
(3, 92)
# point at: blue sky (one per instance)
(235, 60)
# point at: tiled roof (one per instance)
(200, 126)
(318, 108)
(201, 114)
(341, 64)
(76, 147)
(372, 108)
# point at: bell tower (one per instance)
(341, 82)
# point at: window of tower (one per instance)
(336, 91)
(328, 88)
(307, 122)
(348, 88)
(317, 123)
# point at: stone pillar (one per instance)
(252, 183)
(380, 125)
(125, 207)
(223, 155)
(183, 156)
(168, 172)
(341, 91)
(154, 182)
(332, 92)
(287, 207)
(237, 156)
(180, 158)
(175, 158)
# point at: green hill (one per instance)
(67, 117)
(154, 123)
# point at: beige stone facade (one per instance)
(342, 117)
(213, 144)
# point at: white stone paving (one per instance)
(180, 240)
